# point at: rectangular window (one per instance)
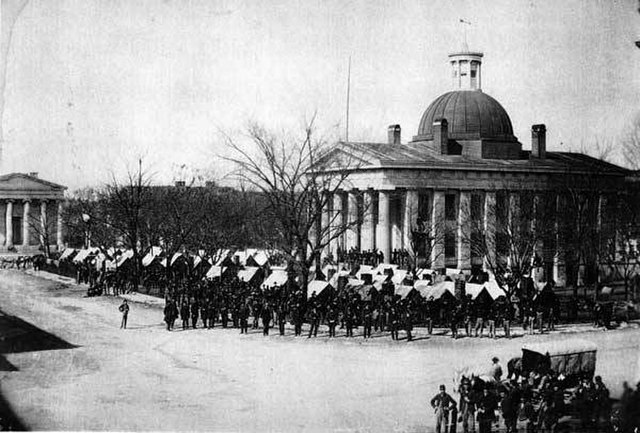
(473, 73)
(450, 207)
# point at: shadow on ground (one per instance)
(17, 336)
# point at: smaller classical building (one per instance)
(32, 209)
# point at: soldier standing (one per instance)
(367, 321)
(194, 314)
(282, 315)
(204, 313)
(332, 319)
(408, 323)
(245, 312)
(124, 309)
(266, 318)
(184, 315)
(486, 411)
(442, 403)
(314, 320)
(393, 319)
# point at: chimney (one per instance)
(394, 134)
(538, 141)
(180, 183)
(441, 135)
(33, 173)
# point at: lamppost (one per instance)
(87, 233)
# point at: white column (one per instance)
(538, 231)
(490, 230)
(43, 222)
(325, 229)
(410, 219)
(383, 238)
(9, 224)
(438, 227)
(352, 218)
(337, 233)
(368, 230)
(464, 230)
(59, 240)
(559, 271)
(515, 224)
(25, 222)
(395, 205)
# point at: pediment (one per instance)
(17, 185)
(347, 157)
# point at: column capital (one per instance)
(27, 200)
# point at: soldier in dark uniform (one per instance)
(224, 313)
(212, 313)
(297, 319)
(486, 411)
(393, 322)
(195, 310)
(348, 320)
(170, 314)
(204, 313)
(282, 316)
(332, 319)
(314, 320)
(431, 311)
(267, 315)
(184, 315)
(443, 403)
(245, 312)
(367, 321)
(408, 323)
(124, 309)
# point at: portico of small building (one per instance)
(32, 210)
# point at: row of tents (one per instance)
(252, 267)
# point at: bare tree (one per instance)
(507, 233)
(298, 177)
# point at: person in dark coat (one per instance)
(170, 314)
(408, 324)
(367, 321)
(509, 405)
(282, 316)
(443, 403)
(332, 320)
(124, 309)
(245, 312)
(314, 320)
(184, 315)
(267, 315)
(467, 407)
(195, 311)
(486, 407)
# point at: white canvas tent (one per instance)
(83, 254)
(67, 253)
(317, 286)
(247, 274)
(277, 278)
(403, 290)
(398, 276)
(215, 271)
(122, 258)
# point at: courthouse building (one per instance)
(462, 160)
(32, 209)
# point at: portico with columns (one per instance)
(32, 210)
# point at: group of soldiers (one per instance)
(234, 303)
(537, 400)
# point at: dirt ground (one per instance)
(81, 372)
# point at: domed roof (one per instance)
(470, 114)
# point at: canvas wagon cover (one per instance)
(572, 356)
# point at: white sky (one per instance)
(93, 84)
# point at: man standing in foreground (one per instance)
(124, 309)
(442, 403)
